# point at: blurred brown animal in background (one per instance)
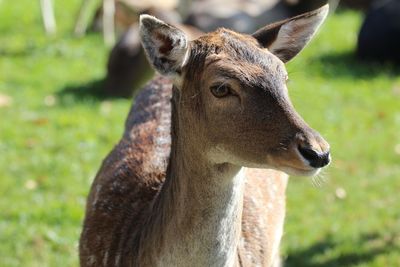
(127, 12)
(127, 69)
(199, 176)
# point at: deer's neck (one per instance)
(196, 219)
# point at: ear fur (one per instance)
(287, 38)
(165, 45)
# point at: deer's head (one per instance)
(233, 100)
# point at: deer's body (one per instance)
(174, 191)
(120, 201)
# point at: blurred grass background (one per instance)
(54, 134)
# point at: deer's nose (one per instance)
(315, 158)
(313, 148)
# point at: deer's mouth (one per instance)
(293, 165)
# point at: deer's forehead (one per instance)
(265, 64)
(233, 52)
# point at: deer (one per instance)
(200, 173)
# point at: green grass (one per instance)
(54, 135)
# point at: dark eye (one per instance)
(220, 90)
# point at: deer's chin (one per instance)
(290, 170)
(299, 171)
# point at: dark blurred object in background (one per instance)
(379, 38)
(127, 66)
(356, 4)
(301, 6)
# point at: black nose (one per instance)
(316, 159)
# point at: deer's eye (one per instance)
(220, 90)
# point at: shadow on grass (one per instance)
(365, 249)
(91, 91)
(347, 65)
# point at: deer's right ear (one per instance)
(166, 46)
(287, 38)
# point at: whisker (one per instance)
(319, 180)
(315, 182)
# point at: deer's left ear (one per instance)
(165, 45)
(287, 38)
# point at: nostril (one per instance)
(308, 154)
(316, 160)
